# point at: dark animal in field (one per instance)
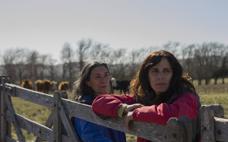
(122, 86)
(43, 86)
(63, 87)
(27, 84)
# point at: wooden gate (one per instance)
(58, 126)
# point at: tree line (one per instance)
(205, 61)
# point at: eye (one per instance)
(153, 70)
(107, 74)
(166, 70)
(97, 77)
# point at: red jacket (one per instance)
(186, 105)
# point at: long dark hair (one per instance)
(142, 90)
(80, 86)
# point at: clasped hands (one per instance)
(126, 112)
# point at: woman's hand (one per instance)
(128, 119)
(124, 109)
(129, 114)
(132, 107)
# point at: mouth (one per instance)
(160, 84)
(103, 87)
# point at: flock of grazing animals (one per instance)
(46, 86)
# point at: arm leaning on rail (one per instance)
(186, 105)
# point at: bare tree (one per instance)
(219, 61)
(32, 65)
(204, 55)
(9, 58)
(67, 56)
(224, 67)
(135, 58)
(14, 63)
(118, 63)
(1, 63)
(173, 48)
(1, 58)
(187, 53)
(42, 66)
(82, 51)
(100, 52)
(46, 68)
(52, 69)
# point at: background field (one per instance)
(210, 94)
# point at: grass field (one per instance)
(208, 95)
(216, 99)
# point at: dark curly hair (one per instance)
(140, 86)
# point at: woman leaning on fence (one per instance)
(158, 92)
(95, 79)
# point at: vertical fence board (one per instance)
(48, 123)
(57, 121)
(5, 127)
(3, 124)
(15, 122)
(207, 124)
(67, 124)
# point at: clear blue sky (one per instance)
(45, 25)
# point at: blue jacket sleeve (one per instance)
(90, 132)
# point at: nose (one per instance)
(160, 75)
(104, 80)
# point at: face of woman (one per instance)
(99, 80)
(160, 76)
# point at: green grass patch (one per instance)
(216, 98)
(32, 111)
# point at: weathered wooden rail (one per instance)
(59, 128)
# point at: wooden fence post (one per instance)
(207, 124)
(4, 125)
(217, 109)
(15, 122)
(218, 115)
(179, 136)
(57, 121)
(2, 112)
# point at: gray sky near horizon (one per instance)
(45, 25)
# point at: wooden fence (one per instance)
(58, 126)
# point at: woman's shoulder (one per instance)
(189, 93)
(189, 96)
(86, 99)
